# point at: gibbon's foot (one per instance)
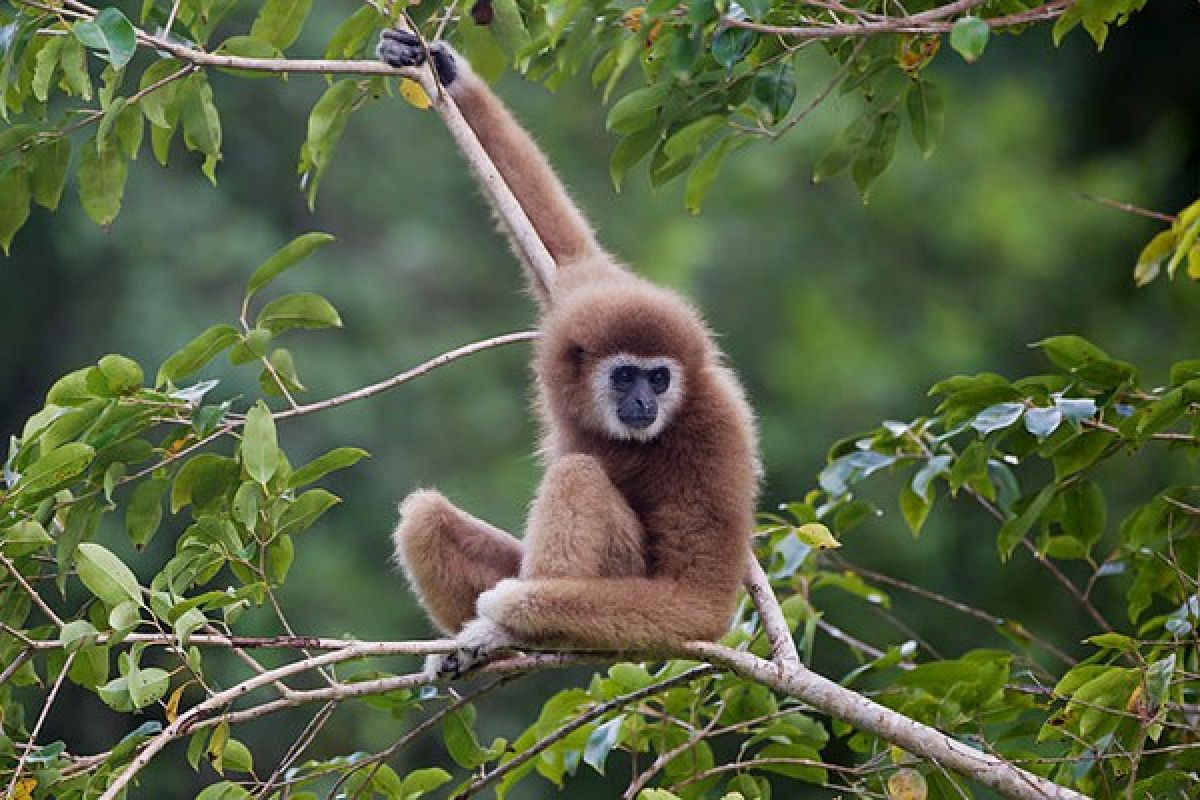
(478, 643)
(400, 48)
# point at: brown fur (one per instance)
(629, 544)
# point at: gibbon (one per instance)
(639, 534)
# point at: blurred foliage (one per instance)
(832, 313)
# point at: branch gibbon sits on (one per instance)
(639, 534)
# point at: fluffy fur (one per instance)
(636, 539)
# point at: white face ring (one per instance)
(604, 397)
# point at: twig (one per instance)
(37, 726)
(931, 21)
(15, 665)
(29, 590)
(666, 757)
(575, 724)
(1128, 208)
(382, 648)
(404, 377)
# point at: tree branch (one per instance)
(932, 21)
(758, 586)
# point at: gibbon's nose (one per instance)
(639, 407)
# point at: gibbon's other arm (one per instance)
(537, 188)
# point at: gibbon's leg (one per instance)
(450, 557)
(608, 613)
(537, 188)
(580, 526)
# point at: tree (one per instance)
(708, 720)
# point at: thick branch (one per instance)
(758, 586)
(870, 717)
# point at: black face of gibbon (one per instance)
(636, 392)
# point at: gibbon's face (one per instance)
(635, 397)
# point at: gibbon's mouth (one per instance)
(639, 422)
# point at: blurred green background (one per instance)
(837, 315)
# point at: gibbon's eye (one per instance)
(660, 379)
(624, 377)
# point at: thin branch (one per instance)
(666, 757)
(1128, 208)
(931, 21)
(29, 590)
(274, 643)
(408, 375)
(575, 724)
(37, 726)
(15, 665)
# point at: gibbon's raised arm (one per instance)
(554, 216)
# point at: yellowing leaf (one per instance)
(411, 91)
(814, 534)
(172, 709)
(24, 789)
(1194, 263)
(907, 784)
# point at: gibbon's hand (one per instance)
(399, 48)
(478, 642)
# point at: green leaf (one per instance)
(111, 32)
(844, 149)
(876, 154)
(77, 634)
(326, 122)
(158, 105)
(49, 163)
(1013, 531)
(259, 449)
(915, 509)
(15, 196)
(458, 733)
(421, 781)
(283, 371)
(144, 512)
(196, 353)
(702, 176)
(286, 257)
(300, 310)
(122, 374)
(237, 757)
(248, 47)
(101, 180)
(106, 575)
(202, 481)
(1081, 452)
(775, 89)
(969, 37)
(636, 110)
(997, 417)
(1151, 259)
(55, 468)
(45, 67)
(687, 140)
(341, 458)
(200, 118)
(75, 73)
(729, 46)
(926, 115)
(279, 557)
(601, 741)
(225, 791)
(353, 35)
(629, 151)
(817, 536)
(305, 510)
(279, 21)
(26, 537)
